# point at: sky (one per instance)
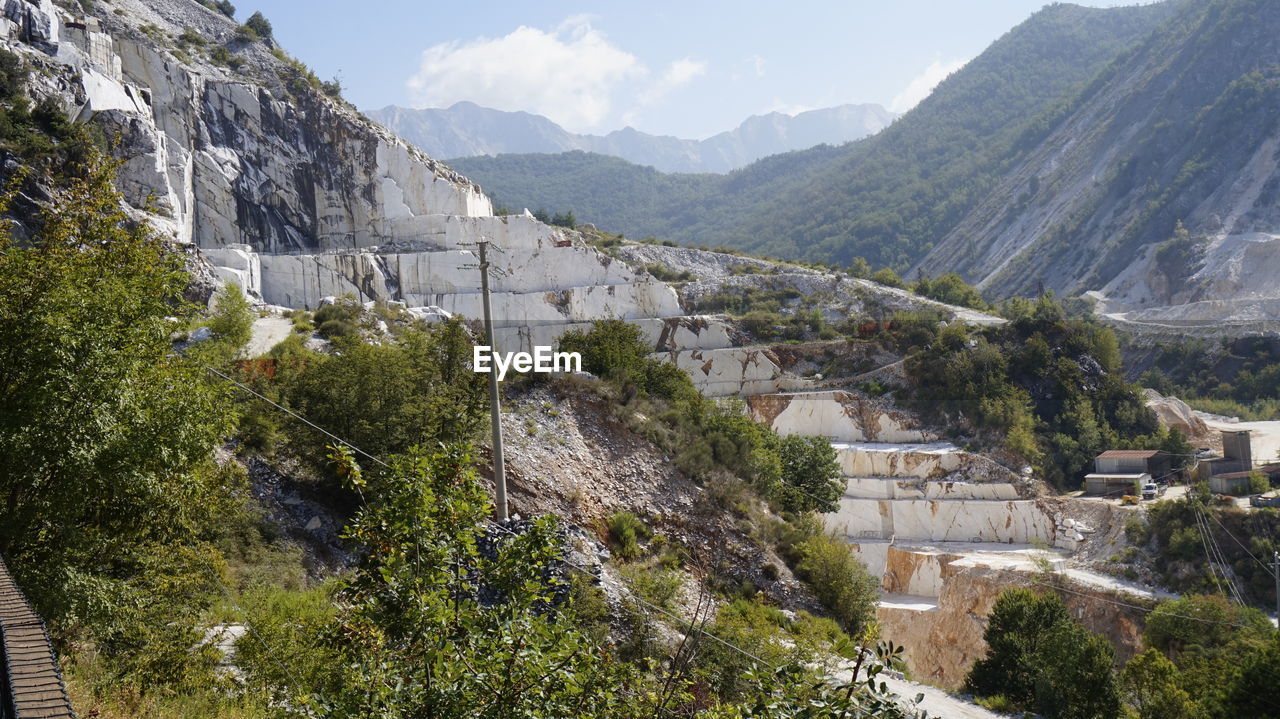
(689, 69)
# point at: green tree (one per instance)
(1039, 658)
(615, 350)
(232, 320)
(1153, 688)
(859, 268)
(839, 580)
(1076, 678)
(446, 616)
(386, 398)
(950, 288)
(105, 432)
(1203, 625)
(259, 24)
(809, 471)
(1252, 690)
(886, 276)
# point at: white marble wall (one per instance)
(943, 521)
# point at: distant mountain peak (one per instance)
(466, 129)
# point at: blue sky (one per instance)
(688, 68)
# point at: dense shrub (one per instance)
(839, 580)
(259, 24)
(223, 6)
(1043, 386)
(626, 530)
(1039, 658)
(1178, 548)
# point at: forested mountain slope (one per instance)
(1185, 127)
(887, 198)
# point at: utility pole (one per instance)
(495, 407)
(1275, 571)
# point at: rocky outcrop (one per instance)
(290, 193)
(838, 415)
(1173, 412)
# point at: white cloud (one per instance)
(921, 85)
(568, 74)
(678, 74)
(757, 62)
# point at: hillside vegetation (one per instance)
(1179, 128)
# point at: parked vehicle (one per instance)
(1258, 500)
(1150, 490)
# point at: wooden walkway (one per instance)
(31, 687)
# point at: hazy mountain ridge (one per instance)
(888, 198)
(468, 130)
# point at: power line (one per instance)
(495, 525)
(1140, 608)
(1246, 549)
(297, 416)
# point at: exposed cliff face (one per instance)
(290, 193)
(221, 156)
(943, 635)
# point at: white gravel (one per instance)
(267, 333)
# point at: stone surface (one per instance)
(838, 415)
(735, 371)
(964, 520)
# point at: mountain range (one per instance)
(1063, 157)
(466, 130)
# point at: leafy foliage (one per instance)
(794, 473)
(223, 6)
(259, 24)
(839, 580)
(231, 323)
(809, 473)
(1207, 658)
(1153, 688)
(433, 625)
(953, 290)
(1238, 376)
(1046, 385)
(38, 132)
(1177, 550)
(1039, 658)
(415, 389)
(106, 434)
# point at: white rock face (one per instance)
(944, 521)
(874, 459)
(693, 332)
(838, 415)
(892, 488)
(296, 197)
(735, 371)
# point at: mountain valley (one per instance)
(845, 463)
